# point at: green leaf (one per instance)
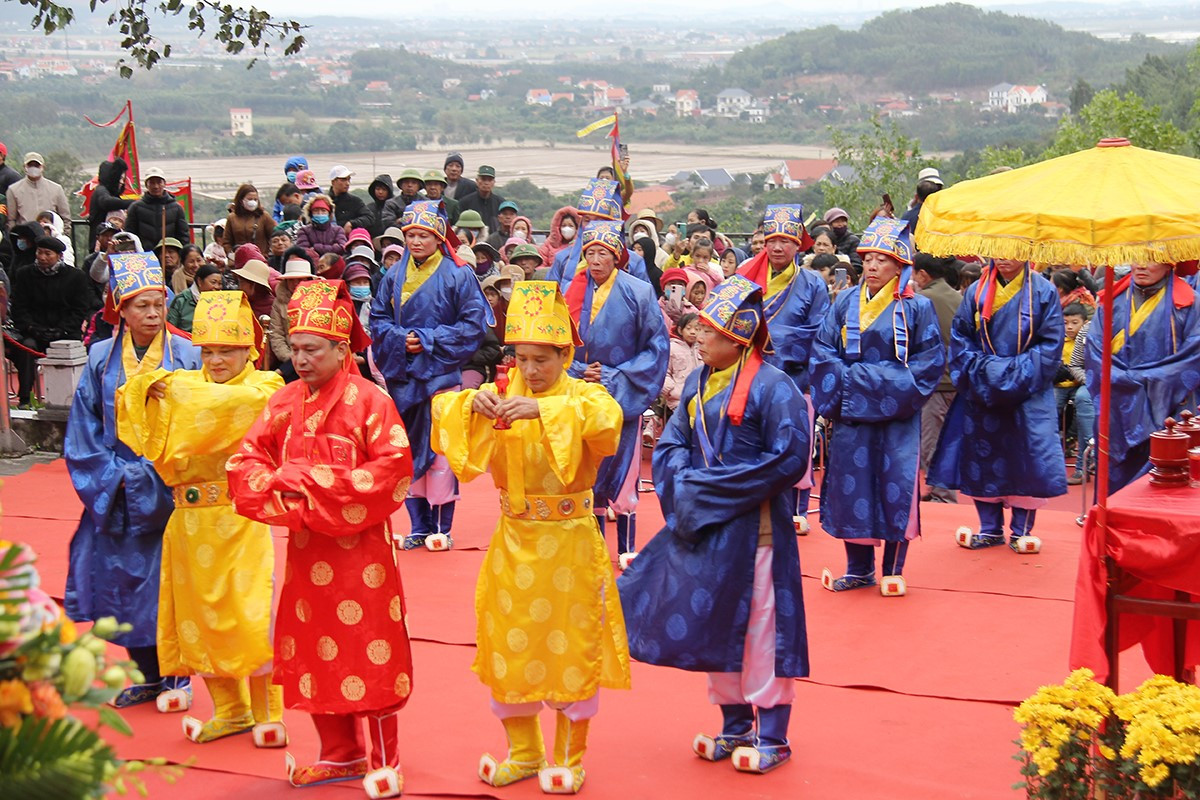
(110, 717)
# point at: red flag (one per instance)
(125, 148)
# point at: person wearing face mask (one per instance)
(248, 222)
(321, 234)
(563, 228)
(36, 193)
(22, 238)
(599, 201)
(291, 168)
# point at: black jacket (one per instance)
(393, 210)
(49, 307)
(488, 208)
(145, 220)
(350, 208)
(107, 196)
(464, 187)
(9, 176)
(376, 207)
(22, 258)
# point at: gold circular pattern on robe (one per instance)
(227, 526)
(300, 539)
(354, 513)
(401, 490)
(379, 651)
(374, 575)
(362, 479)
(287, 648)
(497, 563)
(397, 436)
(205, 555)
(563, 579)
(573, 678)
(499, 666)
(211, 618)
(535, 672)
(191, 521)
(540, 609)
(524, 576)
(350, 394)
(581, 617)
(243, 417)
(306, 685)
(349, 612)
(259, 479)
(327, 648)
(547, 547)
(321, 574)
(518, 640)
(403, 685)
(504, 601)
(322, 474)
(204, 421)
(287, 573)
(234, 461)
(189, 631)
(243, 579)
(557, 642)
(348, 542)
(489, 623)
(303, 610)
(396, 608)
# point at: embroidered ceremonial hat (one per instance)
(225, 319)
(890, 237)
(325, 309)
(784, 220)
(606, 233)
(425, 215)
(538, 314)
(602, 199)
(130, 274)
(735, 310)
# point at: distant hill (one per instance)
(942, 48)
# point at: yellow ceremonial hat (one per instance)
(225, 319)
(538, 314)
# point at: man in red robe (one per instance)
(329, 460)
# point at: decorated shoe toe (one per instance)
(503, 773)
(561, 780)
(383, 782)
(174, 700)
(760, 760)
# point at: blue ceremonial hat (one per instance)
(735, 309)
(426, 215)
(606, 233)
(130, 274)
(602, 199)
(890, 237)
(784, 220)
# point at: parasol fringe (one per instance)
(1171, 251)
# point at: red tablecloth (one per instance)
(1154, 535)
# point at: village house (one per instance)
(1012, 98)
(732, 102)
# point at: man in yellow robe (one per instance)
(216, 583)
(549, 622)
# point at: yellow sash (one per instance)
(871, 309)
(600, 294)
(716, 382)
(1139, 315)
(416, 276)
(778, 282)
(148, 363)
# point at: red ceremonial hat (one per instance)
(325, 309)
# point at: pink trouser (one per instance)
(579, 710)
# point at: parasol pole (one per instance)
(1105, 407)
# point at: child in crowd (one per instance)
(674, 302)
(1065, 385)
(729, 262)
(684, 358)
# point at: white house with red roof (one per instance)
(1012, 97)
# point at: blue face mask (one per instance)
(22, 244)
(291, 176)
(360, 292)
(320, 219)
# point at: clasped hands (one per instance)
(492, 406)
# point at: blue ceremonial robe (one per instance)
(1001, 436)
(1154, 376)
(450, 315)
(686, 597)
(563, 273)
(794, 316)
(629, 338)
(874, 401)
(116, 552)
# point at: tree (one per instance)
(1113, 115)
(879, 160)
(1081, 94)
(234, 26)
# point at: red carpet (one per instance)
(910, 698)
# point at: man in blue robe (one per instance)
(116, 552)
(718, 589)
(1155, 362)
(1000, 443)
(878, 358)
(601, 200)
(795, 301)
(625, 348)
(428, 318)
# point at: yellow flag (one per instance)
(595, 126)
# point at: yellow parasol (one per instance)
(1111, 204)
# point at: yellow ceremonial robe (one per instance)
(548, 619)
(217, 580)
